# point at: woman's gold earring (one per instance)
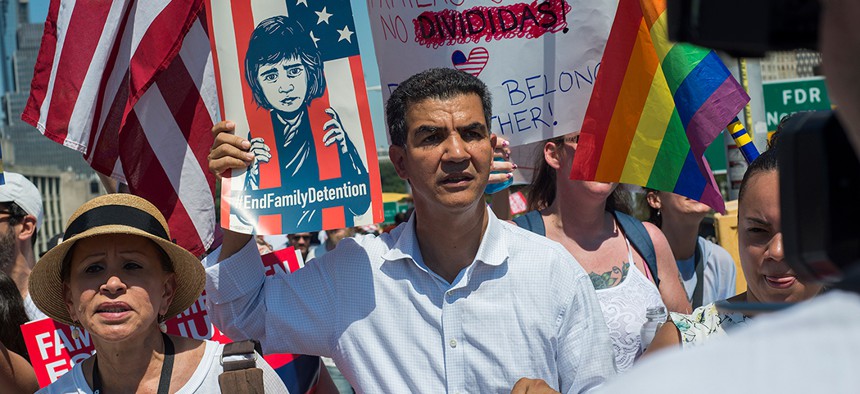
(76, 332)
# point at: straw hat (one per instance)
(118, 213)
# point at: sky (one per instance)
(39, 10)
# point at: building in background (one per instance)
(8, 27)
(30, 147)
(62, 193)
(795, 64)
(61, 174)
(808, 63)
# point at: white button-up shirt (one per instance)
(523, 308)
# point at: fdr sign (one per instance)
(782, 98)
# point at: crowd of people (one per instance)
(454, 299)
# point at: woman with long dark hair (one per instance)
(16, 374)
(582, 216)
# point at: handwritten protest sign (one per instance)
(538, 58)
(54, 350)
(289, 76)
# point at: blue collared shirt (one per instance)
(523, 308)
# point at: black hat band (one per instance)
(119, 215)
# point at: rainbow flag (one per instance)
(655, 108)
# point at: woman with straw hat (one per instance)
(118, 275)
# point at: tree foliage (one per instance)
(391, 183)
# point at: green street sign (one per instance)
(786, 97)
(390, 209)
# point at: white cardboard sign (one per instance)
(539, 59)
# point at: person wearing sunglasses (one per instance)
(20, 220)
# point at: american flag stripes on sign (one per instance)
(290, 74)
(130, 84)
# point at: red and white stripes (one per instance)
(130, 84)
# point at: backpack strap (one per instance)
(638, 236)
(632, 227)
(698, 291)
(532, 221)
(241, 374)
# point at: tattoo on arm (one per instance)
(610, 278)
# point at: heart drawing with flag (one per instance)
(473, 64)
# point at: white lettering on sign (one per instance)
(44, 344)
(775, 117)
(801, 96)
(57, 369)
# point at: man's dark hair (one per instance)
(767, 160)
(436, 83)
(276, 39)
(13, 315)
(764, 163)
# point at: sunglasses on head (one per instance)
(13, 210)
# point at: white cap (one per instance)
(22, 192)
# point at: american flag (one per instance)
(130, 84)
(330, 25)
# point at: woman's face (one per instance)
(117, 287)
(285, 84)
(673, 205)
(769, 278)
(566, 151)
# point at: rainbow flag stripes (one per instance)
(655, 108)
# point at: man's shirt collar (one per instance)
(493, 249)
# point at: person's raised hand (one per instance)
(261, 154)
(228, 151)
(502, 168)
(334, 131)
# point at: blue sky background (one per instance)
(39, 10)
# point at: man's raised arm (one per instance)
(229, 152)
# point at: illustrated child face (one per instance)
(284, 84)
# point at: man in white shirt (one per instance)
(20, 220)
(454, 300)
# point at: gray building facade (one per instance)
(61, 174)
